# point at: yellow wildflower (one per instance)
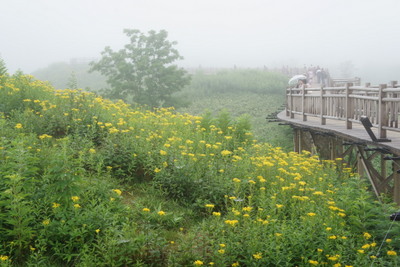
(198, 263)
(367, 235)
(392, 253)
(146, 209)
(257, 256)
(119, 192)
(18, 126)
(75, 198)
(77, 206)
(161, 213)
(313, 262)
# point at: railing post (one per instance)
(288, 99)
(349, 107)
(383, 117)
(303, 102)
(322, 107)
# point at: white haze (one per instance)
(211, 33)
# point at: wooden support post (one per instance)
(349, 107)
(296, 138)
(383, 116)
(322, 107)
(303, 103)
(360, 165)
(396, 185)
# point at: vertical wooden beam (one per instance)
(349, 107)
(296, 140)
(291, 104)
(322, 106)
(396, 185)
(288, 101)
(303, 102)
(360, 165)
(382, 119)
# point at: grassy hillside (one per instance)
(89, 182)
(251, 93)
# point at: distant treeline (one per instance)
(62, 75)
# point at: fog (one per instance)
(364, 34)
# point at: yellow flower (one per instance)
(97, 231)
(119, 192)
(46, 222)
(210, 206)
(92, 151)
(75, 198)
(198, 263)
(56, 205)
(157, 170)
(77, 206)
(231, 222)
(222, 245)
(279, 206)
(366, 246)
(388, 240)
(313, 262)
(161, 213)
(235, 264)
(311, 214)
(332, 237)
(257, 256)
(236, 180)
(43, 136)
(146, 209)
(361, 251)
(333, 258)
(216, 214)
(392, 253)
(225, 152)
(163, 153)
(221, 251)
(3, 257)
(18, 126)
(367, 235)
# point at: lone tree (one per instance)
(143, 71)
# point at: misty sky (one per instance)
(217, 33)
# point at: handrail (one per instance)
(381, 104)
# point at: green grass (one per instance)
(85, 181)
(255, 106)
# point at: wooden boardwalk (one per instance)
(358, 124)
(356, 134)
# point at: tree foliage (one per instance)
(143, 71)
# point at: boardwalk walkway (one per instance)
(356, 134)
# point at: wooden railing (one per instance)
(381, 104)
